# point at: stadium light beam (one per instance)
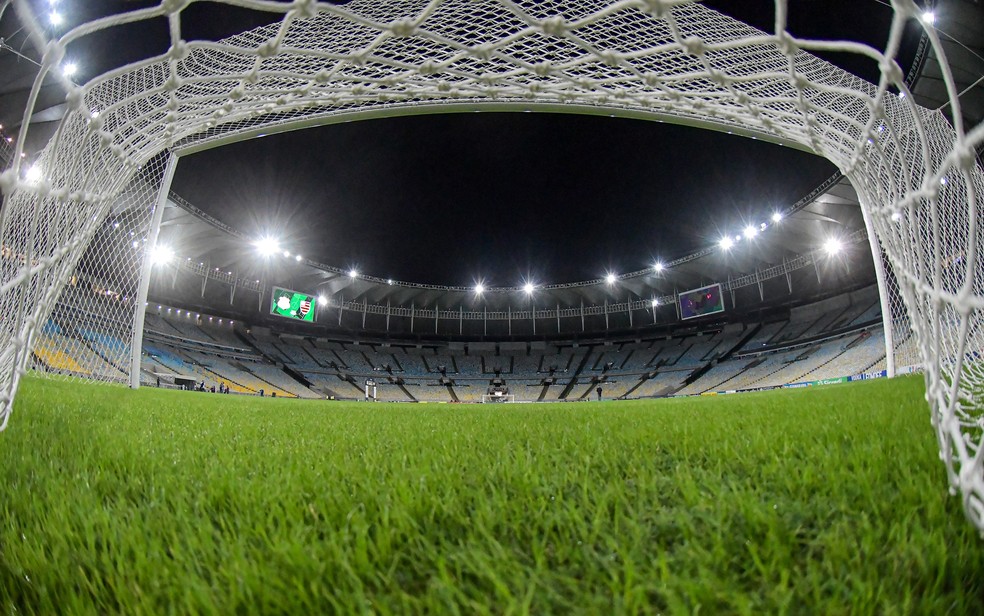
(268, 246)
(726, 243)
(929, 17)
(55, 18)
(529, 288)
(33, 174)
(750, 232)
(658, 266)
(161, 255)
(323, 300)
(353, 273)
(479, 289)
(776, 217)
(833, 246)
(70, 69)
(611, 278)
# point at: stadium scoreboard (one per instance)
(701, 302)
(292, 305)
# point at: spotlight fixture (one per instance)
(161, 255)
(833, 246)
(268, 246)
(33, 174)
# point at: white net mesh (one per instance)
(917, 175)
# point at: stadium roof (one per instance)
(216, 265)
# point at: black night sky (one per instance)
(501, 197)
(454, 198)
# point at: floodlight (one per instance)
(70, 69)
(896, 216)
(161, 255)
(658, 266)
(611, 278)
(322, 299)
(55, 18)
(655, 302)
(776, 217)
(390, 281)
(479, 289)
(268, 246)
(33, 174)
(298, 258)
(529, 288)
(750, 232)
(726, 243)
(833, 246)
(929, 17)
(353, 273)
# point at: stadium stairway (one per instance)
(726, 356)
(573, 382)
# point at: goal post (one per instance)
(917, 174)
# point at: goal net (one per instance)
(496, 398)
(917, 173)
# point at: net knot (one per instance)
(268, 49)
(694, 46)
(427, 68)
(786, 44)
(656, 8)
(543, 69)
(8, 181)
(482, 52)
(74, 98)
(173, 83)
(403, 27)
(306, 8)
(610, 58)
(54, 53)
(174, 6)
(965, 154)
(554, 26)
(178, 51)
(891, 70)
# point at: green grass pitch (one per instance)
(829, 500)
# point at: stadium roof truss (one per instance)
(917, 175)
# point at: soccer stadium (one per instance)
(489, 306)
